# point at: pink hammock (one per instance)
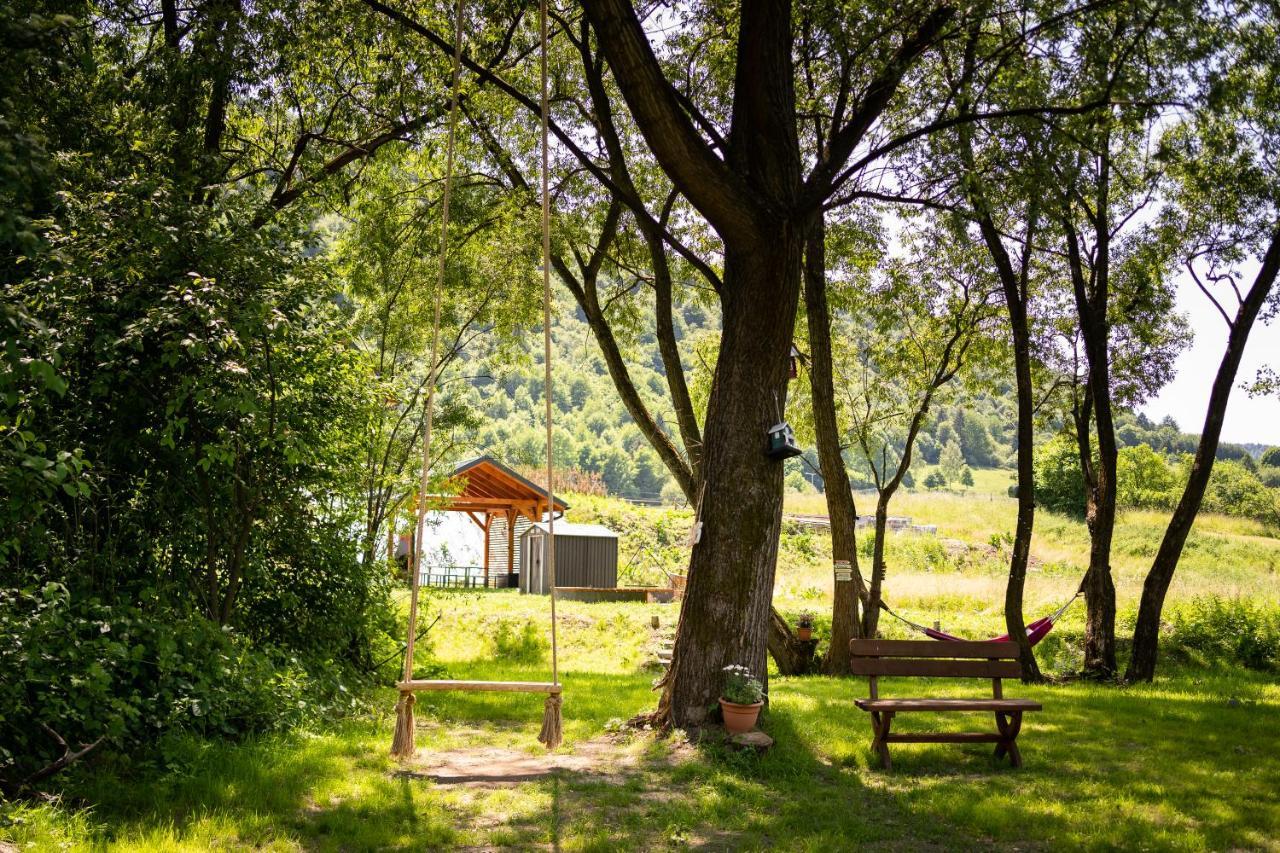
(1036, 631)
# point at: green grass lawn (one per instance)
(1187, 763)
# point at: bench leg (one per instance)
(880, 723)
(1009, 725)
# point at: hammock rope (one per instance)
(1036, 631)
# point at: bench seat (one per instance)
(1005, 705)
(936, 659)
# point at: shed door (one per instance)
(536, 550)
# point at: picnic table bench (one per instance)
(934, 659)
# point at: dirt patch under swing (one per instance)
(607, 758)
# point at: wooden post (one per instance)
(511, 541)
(488, 523)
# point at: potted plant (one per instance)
(804, 625)
(741, 699)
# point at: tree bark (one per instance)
(1097, 585)
(1014, 285)
(1092, 294)
(727, 605)
(1013, 597)
(1146, 634)
(871, 616)
(845, 620)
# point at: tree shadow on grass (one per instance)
(283, 789)
(1111, 766)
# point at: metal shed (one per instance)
(586, 556)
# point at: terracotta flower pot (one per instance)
(804, 633)
(739, 718)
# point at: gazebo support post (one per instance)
(511, 541)
(488, 522)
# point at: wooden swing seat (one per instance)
(487, 686)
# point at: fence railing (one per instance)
(466, 577)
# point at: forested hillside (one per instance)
(596, 435)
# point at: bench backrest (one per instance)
(934, 658)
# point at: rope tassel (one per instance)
(551, 734)
(402, 742)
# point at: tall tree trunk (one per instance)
(726, 614)
(1092, 297)
(1098, 588)
(1146, 634)
(845, 622)
(1013, 596)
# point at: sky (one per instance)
(1249, 419)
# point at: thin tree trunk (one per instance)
(1146, 634)
(664, 326)
(727, 607)
(1013, 597)
(1098, 587)
(1100, 479)
(871, 616)
(845, 620)
(1015, 286)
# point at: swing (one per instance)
(402, 743)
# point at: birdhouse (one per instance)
(793, 363)
(782, 442)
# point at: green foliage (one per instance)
(1144, 479)
(1235, 490)
(132, 676)
(951, 462)
(180, 400)
(1059, 483)
(520, 643)
(1228, 631)
(740, 686)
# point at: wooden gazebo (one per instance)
(502, 504)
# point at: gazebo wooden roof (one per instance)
(492, 490)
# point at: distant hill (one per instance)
(595, 434)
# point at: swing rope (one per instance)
(402, 745)
(551, 733)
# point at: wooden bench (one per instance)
(931, 658)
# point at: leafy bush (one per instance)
(1059, 483)
(89, 670)
(1144, 479)
(1235, 490)
(523, 645)
(1232, 630)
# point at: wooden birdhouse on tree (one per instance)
(782, 441)
(793, 362)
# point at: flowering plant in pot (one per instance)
(741, 699)
(804, 625)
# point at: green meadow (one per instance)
(1186, 763)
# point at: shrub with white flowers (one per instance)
(740, 686)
